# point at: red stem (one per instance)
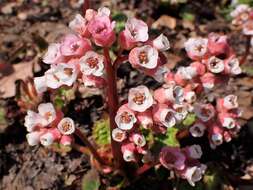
(247, 50)
(113, 106)
(92, 149)
(85, 6)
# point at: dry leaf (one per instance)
(165, 21)
(20, 71)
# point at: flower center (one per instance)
(199, 47)
(119, 135)
(92, 62)
(74, 46)
(197, 130)
(143, 57)
(68, 71)
(139, 98)
(205, 112)
(126, 117)
(169, 117)
(66, 126)
(48, 115)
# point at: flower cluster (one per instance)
(184, 162)
(73, 57)
(48, 126)
(243, 19)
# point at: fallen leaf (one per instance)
(165, 21)
(20, 71)
(91, 180)
(244, 98)
(172, 60)
(247, 113)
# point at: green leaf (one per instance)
(188, 16)
(247, 70)
(120, 19)
(148, 136)
(91, 180)
(101, 132)
(169, 138)
(189, 120)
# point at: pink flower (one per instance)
(248, 28)
(169, 94)
(180, 111)
(161, 43)
(172, 157)
(144, 57)
(217, 44)
(215, 135)
(128, 150)
(140, 98)
(125, 118)
(205, 112)
(118, 135)
(198, 129)
(226, 120)
(184, 74)
(163, 115)
(92, 64)
(190, 96)
(53, 54)
(138, 139)
(145, 119)
(215, 65)
(101, 29)
(199, 68)
(232, 66)
(66, 140)
(135, 31)
(72, 45)
(51, 136)
(227, 103)
(79, 25)
(196, 48)
(240, 9)
(66, 126)
(61, 74)
(93, 81)
(208, 81)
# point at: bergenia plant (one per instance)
(242, 19)
(83, 56)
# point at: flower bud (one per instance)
(66, 140)
(163, 115)
(50, 137)
(33, 138)
(40, 84)
(194, 151)
(47, 111)
(79, 25)
(138, 139)
(205, 112)
(128, 151)
(161, 43)
(145, 119)
(198, 129)
(217, 44)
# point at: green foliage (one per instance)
(91, 180)
(169, 138)
(247, 70)
(101, 132)
(63, 95)
(189, 120)
(148, 134)
(120, 19)
(249, 2)
(61, 149)
(187, 16)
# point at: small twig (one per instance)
(92, 149)
(118, 60)
(247, 50)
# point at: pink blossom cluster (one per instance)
(184, 162)
(243, 19)
(73, 57)
(48, 126)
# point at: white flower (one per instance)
(180, 111)
(118, 135)
(174, 93)
(230, 102)
(194, 174)
(139, 140)
(47, 111)
(47, 139)
(92, 64)
(33, 138)
(136, 30)
(197, 130)
(125, 119)
(215, 65)
(228, 122)
(128, 156)
(187, 73)
(195, 151)
(66, 126)
(161, 43)
(239, 10)
(196, 46)
(217, 139)
(78, 24)
(140, 98)
(167, 117)
(61, 74)
(33, 120)
(204, 111)
(53, 54)
(190, 97)
(40, 84)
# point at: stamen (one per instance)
(139, 98)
